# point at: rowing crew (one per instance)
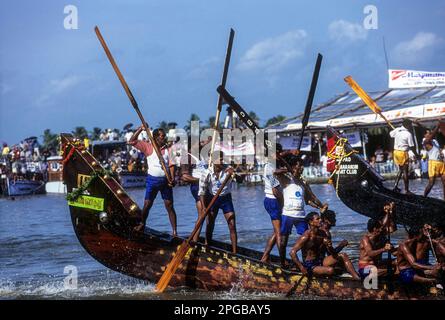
(286, 195)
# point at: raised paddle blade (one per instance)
(363, 95)
(366, 99)
(220, 99)
(242, 114)
(310, 98)
(185, 246)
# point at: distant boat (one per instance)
(360, 187)
(127, 179)
(24, 187)
(55, 179)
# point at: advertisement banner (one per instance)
(291, 143)
(399, 79)
(354, 139)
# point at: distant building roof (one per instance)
(348, 109)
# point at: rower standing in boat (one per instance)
(273, 201)
(156, 180)
(192, 168)
(209, 183)
(337, 259)
(296, 193)
(436, 165)
(312, 245)
(411, 268)
(403, 142)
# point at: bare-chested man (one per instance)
(372, 246)
(338, 260)
(312, 244)
(411, 270)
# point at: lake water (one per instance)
(37, 243)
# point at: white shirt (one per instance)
(210, 183)
(154, 165)
(434, 154)
(403, 139)
(293, 195)
(435, 142)
(270, 181)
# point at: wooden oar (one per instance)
(367, 99)
(389, 269)
(185, 246)
(134, 103)
(310, 98)
(220, 99)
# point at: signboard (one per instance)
(88, 202)
(291, 143)
(354, 139)
(398, 79)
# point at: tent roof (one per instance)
(349, 105)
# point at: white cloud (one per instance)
(57, 87)
(274, 53)
(419, 48)
(203, 69)
(341, 30)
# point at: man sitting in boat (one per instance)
(338, 260)
(372, 246)
(312, 245)
(156, 180)
(209, 184)
(436, 166)
(412, 269)
(191, 172)
(403, 142)
(296, 193)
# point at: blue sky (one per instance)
(172, 52)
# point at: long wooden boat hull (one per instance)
(361, 188)
(104, 219)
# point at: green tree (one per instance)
(193, 117)
(163, 125)
(275, 120)
(254, 117)
(50, 141)
(80, 132)
(95, 134)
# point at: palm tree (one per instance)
(275, 120)
(163, 125)
(80, 132)
(95, 134)
(50, 141)
(254, 117)
(193, 117)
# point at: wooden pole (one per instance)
(134, 103)
(220, 99)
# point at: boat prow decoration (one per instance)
(361, 188)
(104, 215)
